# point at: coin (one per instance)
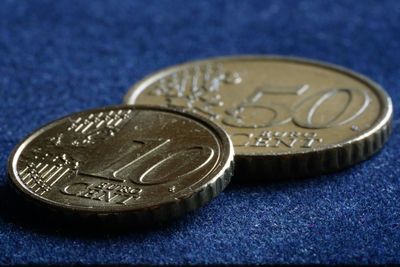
(151, 163)
(286, 116)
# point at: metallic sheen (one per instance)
(151, 163)
(286, 116)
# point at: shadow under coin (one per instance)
(17, 210)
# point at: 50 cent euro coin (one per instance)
(287, 117)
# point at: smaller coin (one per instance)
(149, 163)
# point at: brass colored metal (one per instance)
(286, 116)
(152, 163)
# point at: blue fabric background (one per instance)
(57, 57)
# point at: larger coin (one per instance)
(148, 162)
(286, 116)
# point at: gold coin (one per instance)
(286, 116)
(148, 163)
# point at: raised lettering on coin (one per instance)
(123, 159)
(274, 106)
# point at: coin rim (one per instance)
(383, 119)
(221, 169)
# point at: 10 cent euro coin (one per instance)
(151, 163)
(286, 116)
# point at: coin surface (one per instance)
(149, 162)
(286, 116)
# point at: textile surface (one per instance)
(58, 57)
